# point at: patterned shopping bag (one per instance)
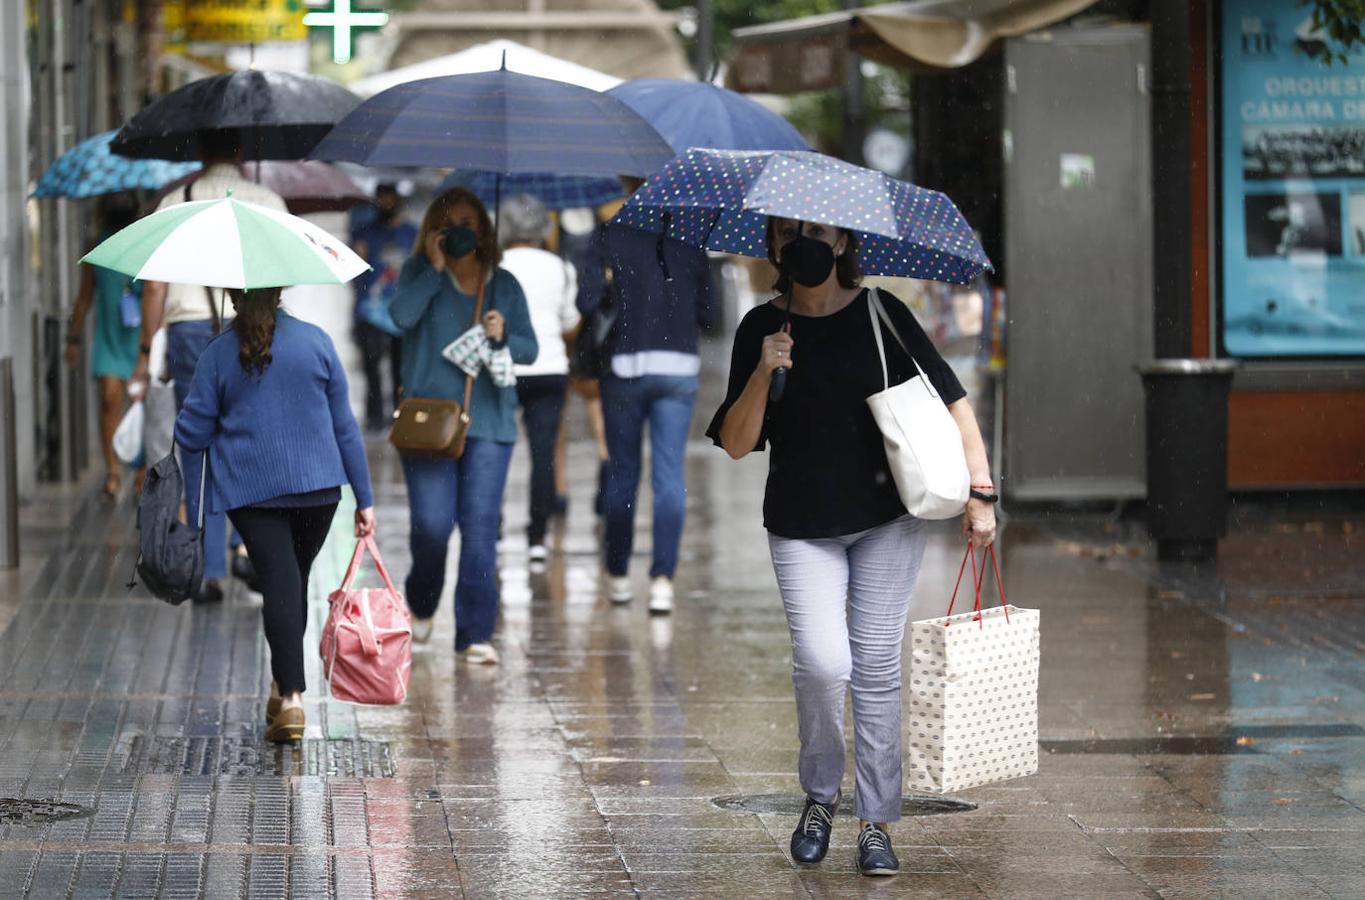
(973, 694)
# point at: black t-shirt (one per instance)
(827, 474)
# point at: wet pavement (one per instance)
(1203, 728)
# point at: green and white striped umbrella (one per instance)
(227, 244)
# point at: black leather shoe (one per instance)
(875, 856)
(209, 593)
(245, 571)
(810, 840)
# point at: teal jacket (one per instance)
(433, 312)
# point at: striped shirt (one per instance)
(188, 302)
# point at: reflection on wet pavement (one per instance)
(1202, 727)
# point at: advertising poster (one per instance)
(1293, 188)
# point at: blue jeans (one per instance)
(184, 342)
(664, 402)
(441, 494)
(542, 404)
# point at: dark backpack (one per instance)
(171, 553)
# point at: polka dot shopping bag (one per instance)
(973, 716)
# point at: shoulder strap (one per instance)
(478, 315)
(876, 311)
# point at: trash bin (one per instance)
(1187, 453)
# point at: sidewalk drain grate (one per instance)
(345, 758)
(29, 813)
(792, 804)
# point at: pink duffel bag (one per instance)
(367, 641)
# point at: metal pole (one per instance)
(9, 470)
(1170, 92)
(706, 40)
(854, 124)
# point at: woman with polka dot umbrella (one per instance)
(721, 200)
(871, 422)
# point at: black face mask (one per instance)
(806, 261)
(459, 242)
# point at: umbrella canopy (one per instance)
(90, 169)
(722, 199)
(696, 114)
(485, 57)
(306, 186)
(498, 122)
(554, 191)
(280, 115)
(227, 244)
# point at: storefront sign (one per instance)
(343, 18)
(790, 66)
(244, 21)
(1292, 188)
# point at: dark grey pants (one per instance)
(847, 600)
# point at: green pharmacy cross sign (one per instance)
(343, 19)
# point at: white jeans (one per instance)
(847, 599)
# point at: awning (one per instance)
(808, 53)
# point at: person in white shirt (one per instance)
(551, 288)
(193, 315)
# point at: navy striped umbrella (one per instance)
(500, 122)
(554, 191)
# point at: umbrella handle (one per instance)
(778, 386)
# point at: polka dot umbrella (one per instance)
(721, 200)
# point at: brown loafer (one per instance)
(287, 726)
(272, 706)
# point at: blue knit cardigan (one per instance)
(289, 430)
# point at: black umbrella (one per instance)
(279, 115)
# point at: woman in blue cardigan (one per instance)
(270, 405)
(457, 252)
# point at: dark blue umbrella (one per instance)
(721, 200)
(501, 122)
(696, 114)
(554, 191)
(90, 169)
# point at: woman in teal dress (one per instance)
(115, 334)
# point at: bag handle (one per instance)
(203, 478)
(979, 580)
(875, 310)
(367, 543)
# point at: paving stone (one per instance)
(593, 759)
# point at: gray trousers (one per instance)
(847, 599)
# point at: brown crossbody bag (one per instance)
(431, 427)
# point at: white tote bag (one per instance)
(923, 442)
(973, 715)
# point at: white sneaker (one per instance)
(537, 553)
(619, 590)
(481, 655)
(421, 629)
(661, 596)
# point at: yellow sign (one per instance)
(244, 21)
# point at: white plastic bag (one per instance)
(128, 435)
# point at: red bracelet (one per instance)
(983, 487)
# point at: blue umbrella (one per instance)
(696, 114)
(555, 191)
(721, 200)
(501, 122)
(90, 169)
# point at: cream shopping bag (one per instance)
(973, 695)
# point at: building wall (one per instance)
(1290, 425)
